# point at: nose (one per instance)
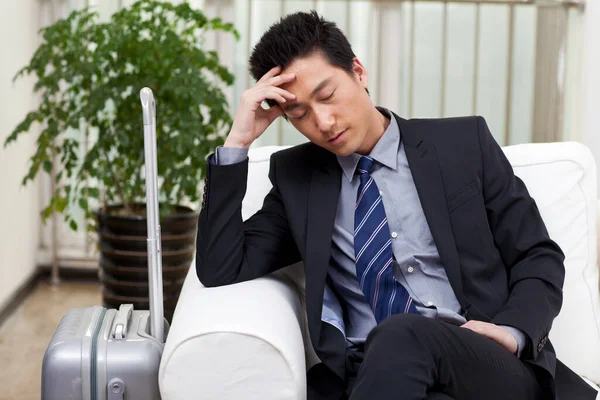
(324, 119)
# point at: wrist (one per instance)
(234, 142)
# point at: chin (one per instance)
(340, 151)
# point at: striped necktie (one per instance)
(373, 250)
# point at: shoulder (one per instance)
(447, 134)
(306, 156)
(296, 164)
(444, 128)
(303, 150)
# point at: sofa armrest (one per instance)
(598, 229)
(241, 341)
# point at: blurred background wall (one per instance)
(531, 69)
(19, 207)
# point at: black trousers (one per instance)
(411, 357)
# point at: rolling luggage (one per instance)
(98, 354)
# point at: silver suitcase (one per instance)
(98, 354)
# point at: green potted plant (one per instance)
(89, 75)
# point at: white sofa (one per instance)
(249, 340)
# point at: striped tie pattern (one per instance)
(373, 250)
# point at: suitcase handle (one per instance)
(155, 285)
(119, 330)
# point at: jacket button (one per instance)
(540, 346)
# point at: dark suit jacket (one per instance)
(500, 261)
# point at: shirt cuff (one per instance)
(230, 155)
(519, 337)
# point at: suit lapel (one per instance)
(427, 175)
(322, 207)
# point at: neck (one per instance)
(378, 126)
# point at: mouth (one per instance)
(337, 138)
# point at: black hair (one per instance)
(296, 36)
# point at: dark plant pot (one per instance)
(124, 256)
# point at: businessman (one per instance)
(429, 271)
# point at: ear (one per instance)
(360, 72)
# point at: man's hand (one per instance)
(251, 120)
(494, 332)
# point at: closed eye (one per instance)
(300, 117)
(306, 112)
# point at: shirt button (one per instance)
(394, 235)
(410, 270)
(430, 303)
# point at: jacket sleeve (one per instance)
(534, 262)
(230, 250)
(229, 155)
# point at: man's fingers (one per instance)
(256, 97)
(475, 326)
(472, 328)
(493, 332)
(284, 93)
(267, 87)
(281, 79)
(274, 113)
(483, 329)
(469, 324)
(288, 95)
(274, 93)
(274, 71)
(270, 114)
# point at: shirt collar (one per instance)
(385, 151)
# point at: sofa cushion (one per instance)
(561, 177)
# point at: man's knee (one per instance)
(401, 324)
(400, 330)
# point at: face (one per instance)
(332, 108)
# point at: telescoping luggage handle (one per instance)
(155, 285)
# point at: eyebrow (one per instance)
(325, 82)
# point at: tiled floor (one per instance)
(26, 333)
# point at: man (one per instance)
(429, 271)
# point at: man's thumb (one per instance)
(275, 112)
